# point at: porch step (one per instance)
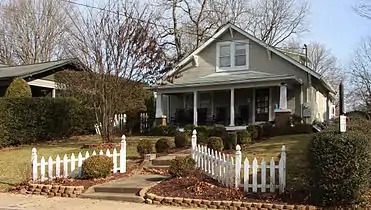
(158, 167)
(128, 197)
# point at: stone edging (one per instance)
(53, 190)
(151, 198)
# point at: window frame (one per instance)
(232, 45)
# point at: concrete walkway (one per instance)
(19, 202)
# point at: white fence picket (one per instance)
(246, 175)
(255, 175)
(57, 167)
(69, 165)
(263, 175)
(272, 174)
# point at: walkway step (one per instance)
(159, 167)
(128, 197)
(117, 189)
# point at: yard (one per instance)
(15, 163)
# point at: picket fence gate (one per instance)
(231, 172)
(66, 167)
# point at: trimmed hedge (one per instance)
(162, 145)
(215, 143)
(182, 166)
(340, 167)
(180, 139)
(229, 142)
(163, 130)
(145, 146)
(19, 88)
(97, 166)
(243, 137)
(31, 120)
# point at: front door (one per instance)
(261, 105)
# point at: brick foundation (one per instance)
(282, 118)
(53, 190)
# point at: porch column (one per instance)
(158, 105)
(283, 96)
(232, 108)
(53, 93)
(195, 103)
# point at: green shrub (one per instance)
(180, 139)
(19, 88)
(97, 166)
(189, 127)
(215, 143)
(162, 145)
(229, 142)
(203, 130)
(182, 166)
(171, 130)
(243, 137)
(218, 130)
(256, 131)
(340, 167)
(202, 137)
(145, 146)
(31, 120)
(159, 130)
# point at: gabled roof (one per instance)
(8, 72)
(229, 26)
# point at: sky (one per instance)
(337, 26)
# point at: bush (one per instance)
(230, 141)
(162, 145)
(218, 130)
(145, 146)
(31, 120)
(215, 143)
(256, 131)
(180, 139)
(97, 166)
(243, 137)
(171, 130)
(189, 127)
(159, 130)
(340, 167)
(19, 88)
(182, 166)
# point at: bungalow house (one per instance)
(235, 79)
(40, 76)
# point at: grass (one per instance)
(296, 150)
(15, 163)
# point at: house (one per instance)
(235, 79)
(40, 76)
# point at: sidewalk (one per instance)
(19, 202)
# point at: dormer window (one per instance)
(232, 56)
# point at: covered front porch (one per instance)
(231, 105)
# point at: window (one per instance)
(232, 56)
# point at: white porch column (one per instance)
(232, 108)
(195, 103)
(283, 96)
(158, 105)
(53, 93)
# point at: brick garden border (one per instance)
(151, 198)
(53, 190)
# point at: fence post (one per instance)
(282, 170)
(238, 166)
(123, 154)
(34, 164)
(194, 143)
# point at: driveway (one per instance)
(16, 201)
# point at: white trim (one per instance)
(53, 93)
(235, 128)
(232, 48)
(231, 114)
(195, 105)
(43, 83)
(249, 36)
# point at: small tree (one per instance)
(19, 88)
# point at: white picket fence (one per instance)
(66, 167)
(231, 172)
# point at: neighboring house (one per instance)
(235, 79)
(39, 76)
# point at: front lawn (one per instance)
(15, 163)
(296, 149)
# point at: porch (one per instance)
(234, 107)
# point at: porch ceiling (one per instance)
(227, 78)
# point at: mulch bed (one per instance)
(200, 186)
(146, 171)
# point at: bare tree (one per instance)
(122, 53)
(363, 8)
(31, 31)
(361, 77)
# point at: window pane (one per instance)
(225, 50)
(240, 60)
(240, 49)
(225, 61)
